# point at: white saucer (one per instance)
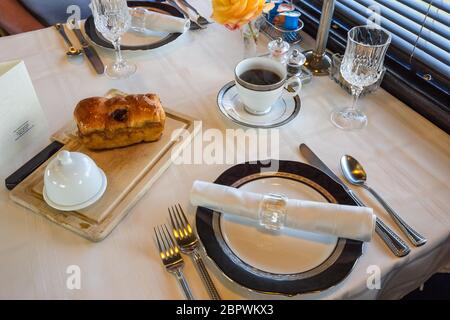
(283, 111)
(82, 205)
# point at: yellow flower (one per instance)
(235, 13)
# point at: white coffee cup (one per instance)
(259, 99)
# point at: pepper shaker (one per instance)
(295, 62)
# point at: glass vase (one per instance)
(250, 35)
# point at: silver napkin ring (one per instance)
(272, 211)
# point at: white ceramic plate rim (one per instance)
(133, 47)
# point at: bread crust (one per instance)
(120, 121)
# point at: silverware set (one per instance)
(184, 240)
(197, 20)
(356, 175)
(86, 48)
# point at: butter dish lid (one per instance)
(72, 179)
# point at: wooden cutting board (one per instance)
(130, 171)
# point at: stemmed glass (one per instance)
(361, 66)
(112, 19)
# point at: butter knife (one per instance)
(390, 238)
(90, 52)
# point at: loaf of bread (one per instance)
(120, 121)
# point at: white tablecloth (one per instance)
(406, 156)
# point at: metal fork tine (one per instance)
(165, 245)
(167, 237)
(184, 216)
(157, 241)
(172, 242)
(179, 222)
(188, 226)
(171, 219)
(178, 215)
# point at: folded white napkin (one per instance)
(143, 20)
(344, 221)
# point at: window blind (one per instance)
(420, 32)
(417, 60)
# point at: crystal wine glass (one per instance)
(112, 19)
(361, 66)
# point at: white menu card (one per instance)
(23, 126)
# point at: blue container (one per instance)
(290, 20)
(274, 12)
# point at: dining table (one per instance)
(406, 156)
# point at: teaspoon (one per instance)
(355, 174)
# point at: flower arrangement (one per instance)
(233, 14)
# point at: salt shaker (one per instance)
(295, 63)
(278, 50)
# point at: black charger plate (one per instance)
(329, 273)
(98, 39)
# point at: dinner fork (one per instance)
(171, 257)
(189, 244)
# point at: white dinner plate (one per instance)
(295, 251)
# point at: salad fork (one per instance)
(189, 244)
(171, 257)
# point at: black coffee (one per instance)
(260, 77)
